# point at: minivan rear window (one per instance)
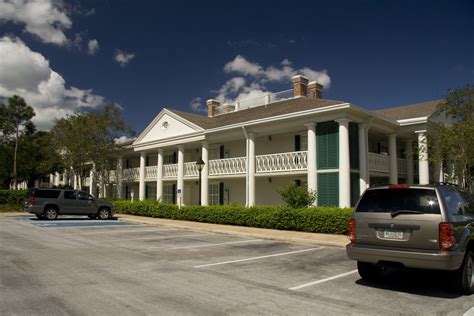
(47, 194)
(391, 200)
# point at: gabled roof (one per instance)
(260, 112)
(424, 109)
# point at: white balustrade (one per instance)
(131, 174)
(190, 169)
(227, 166)
(292, 161)
(151, 172)
(170, 171)
(379, 163)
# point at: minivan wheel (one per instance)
(104, 213)
(368, 271)
(463, 280)
(50, 213)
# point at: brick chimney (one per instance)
(315, 90)
(300, 85)
(211, 107)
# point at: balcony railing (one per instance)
(131, 174)
(190, 169)
(170, 171)
(229, 166)
(151, 172)
(379, 163)
(292, 161)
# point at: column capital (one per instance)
(421, 131)
(204, 143)
(392, 135)
(343, 120)
(160, 151)
(362, 125)
(311, 125)
(251, 135)
(142, 154)
(181, 147)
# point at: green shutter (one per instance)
(354, 145)
(355, 188)
(221, 193)
(297, 142)
(328, 189)
(327, 145)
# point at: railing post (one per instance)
(311, 159)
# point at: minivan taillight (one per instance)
(351, 230)
(446, 236)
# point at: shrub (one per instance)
(296, 196)
(12, 197)
(331, 220)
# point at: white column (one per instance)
(141, 185)
(409, 158)
(392, 153)
(423, 168)
(75, 186)
(251, 171)
(205, 174)
(56, 179)
(51, 179)
(119, 177)
(363, 172)
(439, 171)
(180, 184)
(159, 176)
(102, 190)
(344, 164)
(92, 184)
(311, 159)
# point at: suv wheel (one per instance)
(50, 213)
(368, 271)
(463, 279)
(104, 213)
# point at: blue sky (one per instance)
(371, 53)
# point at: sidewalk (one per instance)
(262, 233)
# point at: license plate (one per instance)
(390, 234)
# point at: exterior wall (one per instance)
(278, 143)
(267, 192)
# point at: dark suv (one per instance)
(418, 226)
(49, 203)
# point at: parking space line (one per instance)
(126, 231)
(469, 312)
(157, 237)
(322, 280)
(209, 245)
(257, 258)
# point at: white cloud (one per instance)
(92, 47)
(122, 57)
(28, 74)
(253, 79)
(42, 18)
(197, 106)
(123, 139)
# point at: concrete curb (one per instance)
(262, 233)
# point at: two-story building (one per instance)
(253, 147)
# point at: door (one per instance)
(70, 203)
(86, 204)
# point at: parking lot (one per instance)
(82, 266)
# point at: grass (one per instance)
(6, 208)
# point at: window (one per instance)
(169, 158)
(70, 195)
(213, 193)
(453, 201)
(391, 200)
(47, 194)
(84, 196)
(214, 153)
(469, 204)
(168, 193)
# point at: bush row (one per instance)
(331, 220)
(12, 197)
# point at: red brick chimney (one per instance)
(315, 90)
(300, 85)
(211, 107)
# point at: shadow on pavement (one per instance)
(420, 282)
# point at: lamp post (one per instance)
(199, 164)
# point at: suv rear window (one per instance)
(391, 200)
(47, 194)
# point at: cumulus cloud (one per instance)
(92, 47)
(123, 139)
(28, 74)
(45, 19)
(197, 105)
(123, 58)
(253, 79)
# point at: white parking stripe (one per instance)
(469, 312)
(322, 280)
(209, 245)
(125, 231)
(157, 237)
(256, 258)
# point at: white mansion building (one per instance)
(252, 148)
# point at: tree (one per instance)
(85, 139)
(13, 117)
(296, 196)
(452, 139)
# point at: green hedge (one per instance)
(331, 220)
(12, 197)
